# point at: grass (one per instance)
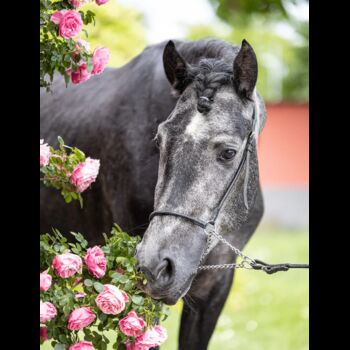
(263, 312)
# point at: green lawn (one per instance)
(263, 312)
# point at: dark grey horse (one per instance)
(166, 146)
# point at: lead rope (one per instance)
(246, 263)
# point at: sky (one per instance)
(169, 19)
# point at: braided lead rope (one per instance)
(247, 262)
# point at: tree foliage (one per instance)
(283, 61)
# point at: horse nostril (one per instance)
(165, 270)
(138, 268)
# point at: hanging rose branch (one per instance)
(60, 49)
(67, 169)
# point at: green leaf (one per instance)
(60, 347)
(60, 141)
(102, 317)
(98, 287)
(138, 299)
(88, 283)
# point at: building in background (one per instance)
(284, 165)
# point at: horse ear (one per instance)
(175, 67)
(245, 71)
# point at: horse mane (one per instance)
(210, 67)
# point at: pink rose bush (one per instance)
(82, 345)
(45, 153)
(69, 23)
(45, 281)
(61, 50)
(100, 59)
(47, 311)
(68, 171)
(78, 3)
(132, 325)
(80, 318)
(66, 265)
(101, 2)
(96, 261)
(112, 300)
(85, 173)
(82, 290)
(151, 338)
(43, 334)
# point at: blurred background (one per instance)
(263, 312)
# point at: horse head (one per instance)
(201, 145)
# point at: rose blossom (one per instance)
(80, 295)
(67, 264)
(43, 333)
(80, 75)
(101, 2)
(132, 325)
(111, 300)
(85, 173)
(45, 153)
(45, 281)
(80, 318)
(82, 345)
(47, 311)
(151, 338)
(78, 3)
(69, 23)
(96, 261)
(100, 58)
(82, 43)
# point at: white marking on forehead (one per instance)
(197, 128)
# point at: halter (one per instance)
(209, 227)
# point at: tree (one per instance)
(283, 61)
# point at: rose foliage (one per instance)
(67, 169)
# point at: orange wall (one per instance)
(284, 146)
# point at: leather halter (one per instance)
(245, 159)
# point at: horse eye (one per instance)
(227, 154)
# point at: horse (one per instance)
(171, 128)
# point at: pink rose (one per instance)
(132, 325)
(43, 333)
(81, 43)
(96, 261)
(80, 295)
(101, 2)
(112, 300)
(45, 153)
(151, 338)
(80, 75)
(80, 318)
(45, 281)
(82, 345)
(67, 264)
(85, 173)
(69, 23)
(47, 311)
(78, 3)
(100, 59)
